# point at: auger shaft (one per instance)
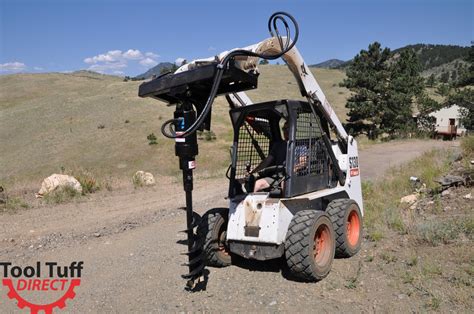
(186, 149)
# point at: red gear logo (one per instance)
(47, 308)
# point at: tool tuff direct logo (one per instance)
(24, 282)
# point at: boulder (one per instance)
(409, 199)
(142, 178)
(446, 192)
(56, 181)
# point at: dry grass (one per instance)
(467, 145)
(445, 232)
(60, 115)
(13, 204)
(382, 197)
(61, 195)
(426, 251)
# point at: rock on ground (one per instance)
(143, 178)
(56, 181)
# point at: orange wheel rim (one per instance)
(322, 245)
(353, 228)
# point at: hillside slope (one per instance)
(53, 121)
(431, 56)
(434, 59)
(328, 64)
(156, 70)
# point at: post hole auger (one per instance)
(307, 208)
(186, 149)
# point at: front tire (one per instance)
(347, 220)
(310, 245)
(212, 233)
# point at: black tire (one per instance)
(347, 221)
(308, 258)
(211, 231)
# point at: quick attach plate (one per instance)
(195, 84)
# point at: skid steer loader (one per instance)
(310, 208)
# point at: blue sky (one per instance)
(127, 37)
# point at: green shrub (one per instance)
(443, 232)
(12, 204)
(206, 135)
(137, 183)
(86, 178)
(152, 140)
(61, 195)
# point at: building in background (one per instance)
(448, 123)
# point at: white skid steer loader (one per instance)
(294, 179)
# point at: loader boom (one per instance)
(307, 83)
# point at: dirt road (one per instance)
(128, 240)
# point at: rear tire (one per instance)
(212, 233)
(309, 245)
(347, 221)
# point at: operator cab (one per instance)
(307, 165)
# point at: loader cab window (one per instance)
(312, 169)
(306, 164)
(253, 146)
(256, 133)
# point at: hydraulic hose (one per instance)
(221, 66)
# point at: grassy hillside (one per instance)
(434, 59)
(329, 64)
(431, 56)
(97, 122)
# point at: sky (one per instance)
(127, 37)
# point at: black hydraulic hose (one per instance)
(273, 29)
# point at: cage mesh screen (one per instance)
(310, 153)
(253, 145)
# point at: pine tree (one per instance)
(465, 99)
(431, 81)
(464, 96)
(444, 78)
(466, 77)
(383, 91)
(454, 75)
(368, 78)
(406, 84)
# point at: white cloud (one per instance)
(110, 56)
(179, 61)
(107, 67)
(211, 48)
(152, 55)
(12, 67)
(118, 73)
(38, 69)
(148, 62)
(115, 60)
(133, 54)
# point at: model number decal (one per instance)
(354, 166)
(354, 162)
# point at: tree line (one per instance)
(387, 89)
